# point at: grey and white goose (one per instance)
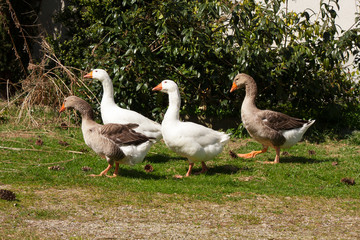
(118, 143)
(268, 127)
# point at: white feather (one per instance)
(135, 154)
(112, 113)
(294, 135)
(188, 139)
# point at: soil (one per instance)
(79, 213)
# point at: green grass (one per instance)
(304, 183)
(298, 174)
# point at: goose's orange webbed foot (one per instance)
(103, 173)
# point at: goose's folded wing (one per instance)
(122, 134)
(279, 121)
(194, 133)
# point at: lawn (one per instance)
(47, 167)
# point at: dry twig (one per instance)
(38, 150)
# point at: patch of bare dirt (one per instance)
(84, 213)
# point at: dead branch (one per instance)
(18, 25)
(13, 43)
(38, 150)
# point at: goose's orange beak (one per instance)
(157, 88)
(234, 87)
(89, 75)
(62, 108)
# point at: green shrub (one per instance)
(202, 45)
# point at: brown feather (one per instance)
(131, 125)
(122, 134)
(280, 121)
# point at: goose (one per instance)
(193, 141)
(118, 143)
(267, 127)
(112, 113)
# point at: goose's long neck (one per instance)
(251, 93)
(108, 95)
(172, 112)
(87, 116)
(86, 112)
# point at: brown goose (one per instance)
(268, 127)
(118, 143)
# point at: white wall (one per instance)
(346, 13)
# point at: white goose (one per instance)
(268, 127)
(112, 113)
(118, 143)
(193, 141)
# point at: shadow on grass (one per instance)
(227, 169)
(303, 160)
(161, 158)
(133, 173)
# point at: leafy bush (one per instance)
(297, 64)
(141, 43)
(202, 45)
